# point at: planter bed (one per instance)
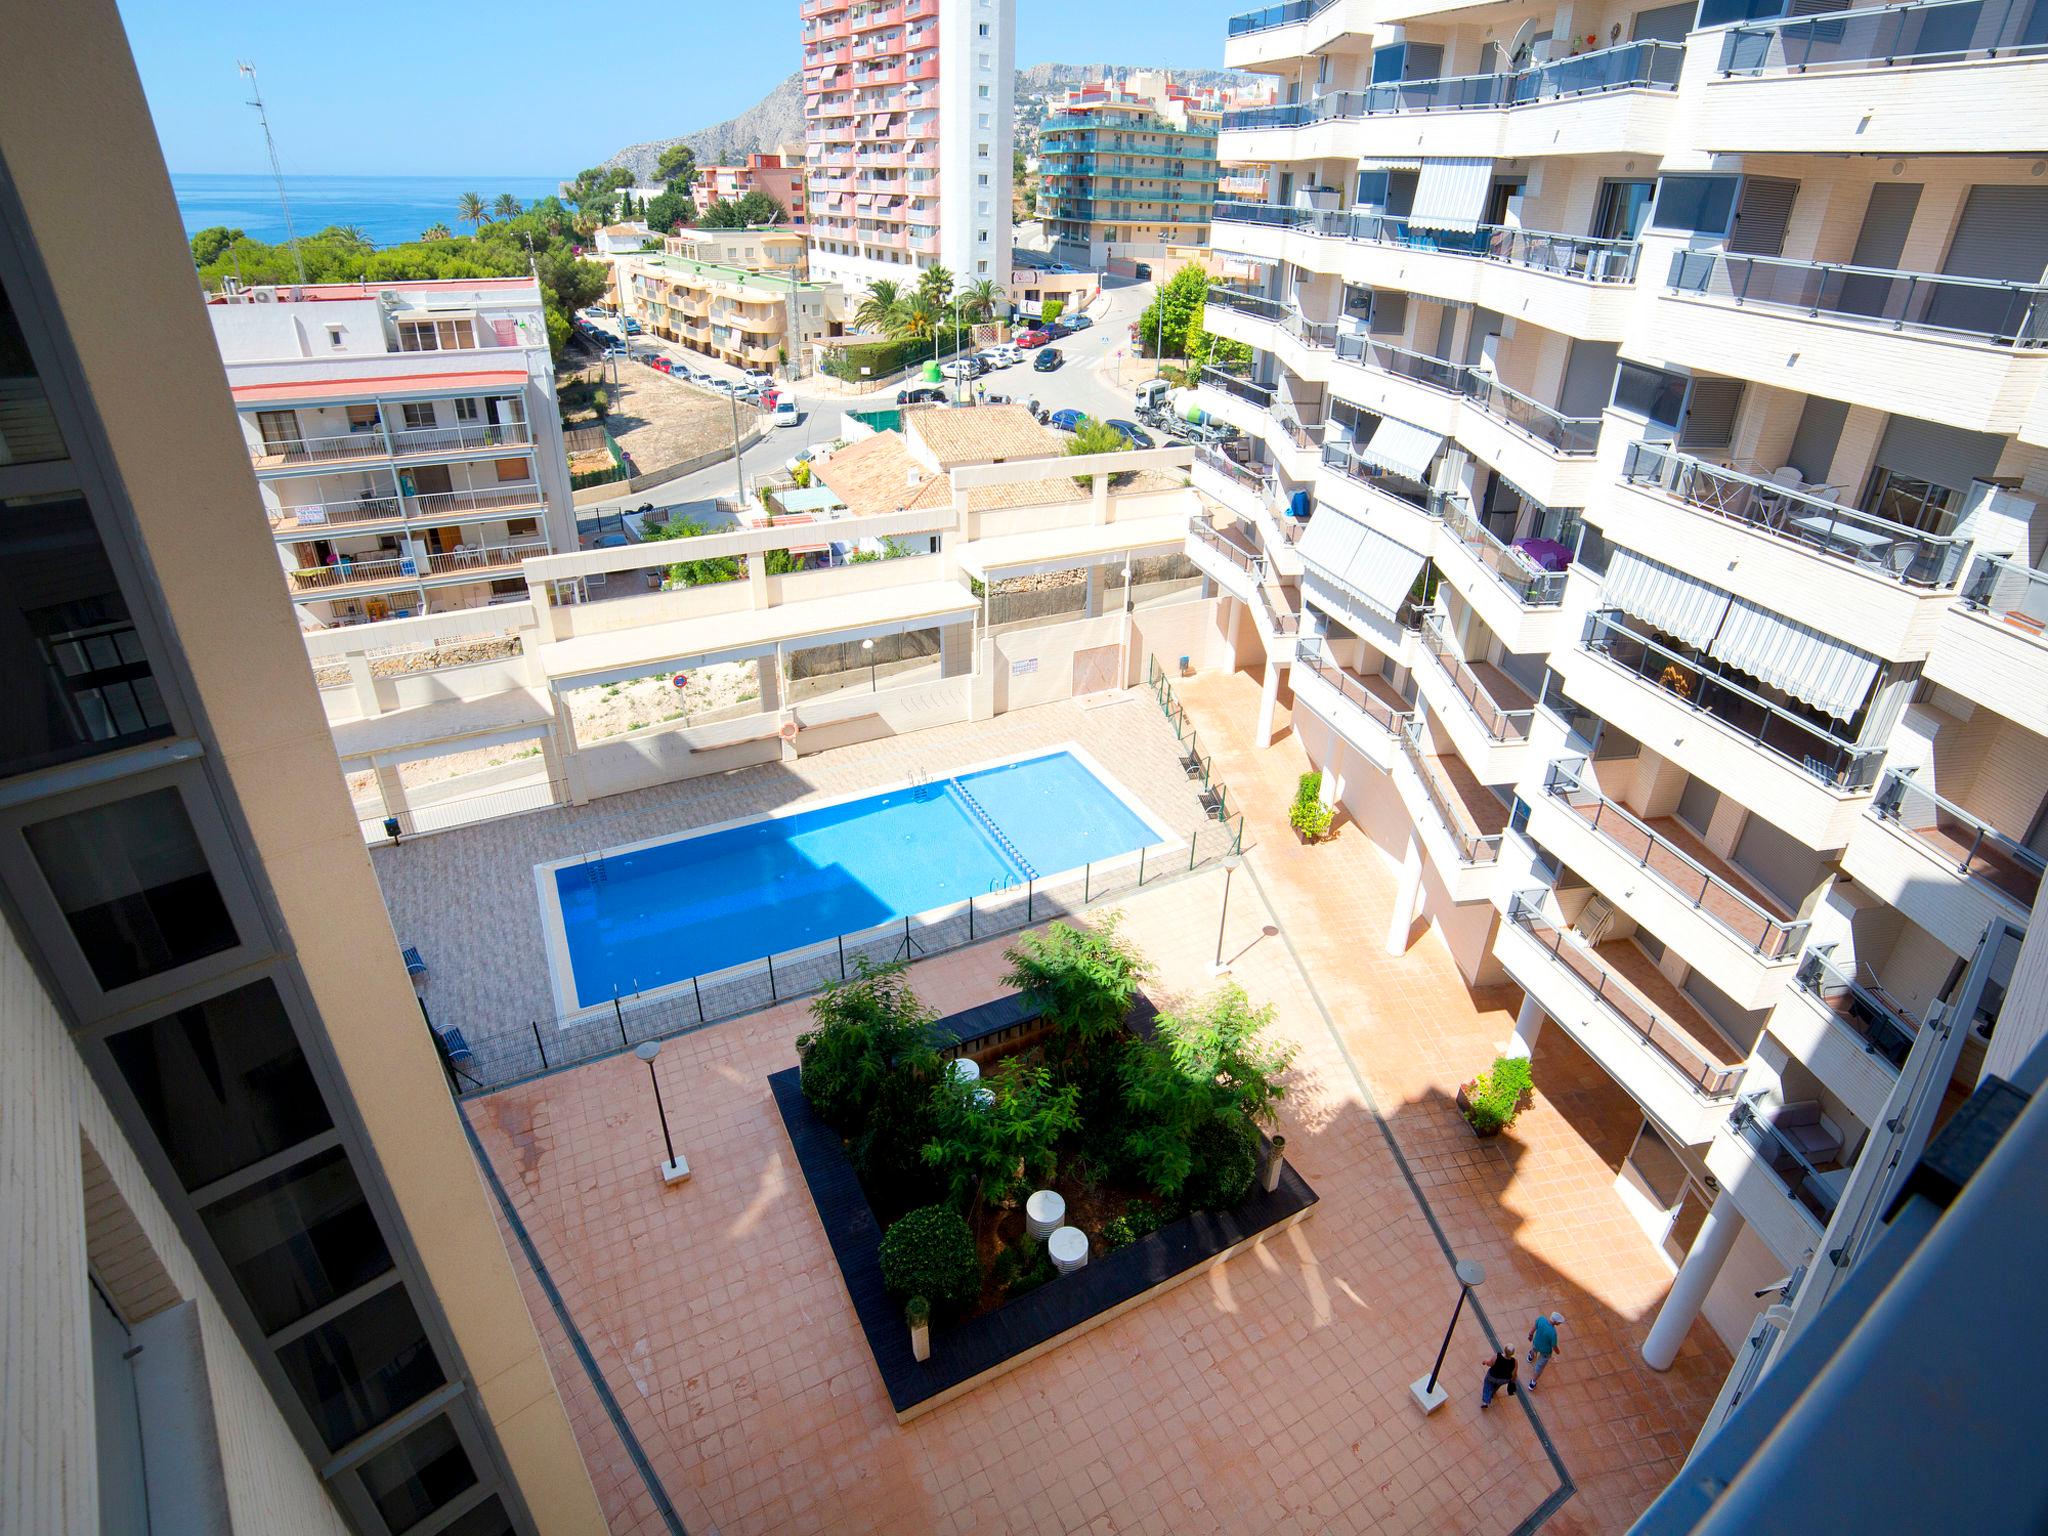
(968, 1353)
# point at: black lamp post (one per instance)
(1431, 1396)
(676, 1169)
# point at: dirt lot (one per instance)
(661, 422)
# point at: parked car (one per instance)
(926, 396)
(658, 364)
(632, 327)
(964, 368)
(1078, 322)
(1047, 360)
(757, 376)
(615, 350)
(1032, 338)
(1133, 434)
(1038, 412)
(1067, 421)
(785, 413)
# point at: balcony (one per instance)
(341, 447)
(1949, 77)
(1241, 388)
(1228, 558)
(1516, 598)
(1946, 869)
(1458, 819)
(1252, 492)
(1275, 16)
(1727, 927)
(317, 517)
(1627, 1015)
(1783, 1191)
(1993, 644)
(423, 442)
(1364, 708)
(351, 573)
(1529, 584)
(1487, 713)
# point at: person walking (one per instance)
(1500, 1372)
(1542, 1344)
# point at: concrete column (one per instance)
(1269, 696)
(1333, 787)
(768, 678)
(1093, 607)
(1528, 1025)
(364, 682)
(1406, 894)
(1694, 1279)
(1234, 633)
(390, 789)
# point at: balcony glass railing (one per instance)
(2010, 314)
(1577, 256)
(1573, 436)
(1271, 16)
(1978, 850)
(1863, 539)
(1527, 582)
(1474, 846)
(1350, 689)
(1712, 896)
(1690, 682)
(1228, 549)
(1260, 395)
(1253, 304)
(1813, 1193)
(1506, 726)
(1946, 31)
(2002, 587)
(1624, 1003)
(1346, 461)
(1417, 367)
(1886, 1030)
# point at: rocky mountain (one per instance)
(779, 116)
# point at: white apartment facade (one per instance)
(1671, 395)
(907, 137)
(405, 439)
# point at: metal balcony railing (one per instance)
(2004, 588)
(1886, 1029)
(330, 514)
(1584, 257)
(1256, 478)
(1623, 1002)
(456, 503)
(1309, 654)
(1572, 436)
(1712, 896)
(1693, 683)
(1346, 461)
(1236, 211)
(1272, 16)
(1506, 726)
(1260, 395)
(368, 444)
(1863, 539)
(1256, 305)
(417, 440)
(1978, 850)
(2009, 314)
(1416, 367)
(1945, 31)
(1474, 847)
(1527, 582)
(1803, 1182)
(1232, 552)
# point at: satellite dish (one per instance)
(1518, 50)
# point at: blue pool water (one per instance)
(693, 905)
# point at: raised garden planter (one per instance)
(963, 1355)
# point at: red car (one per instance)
(1032, 338)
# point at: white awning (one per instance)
(1672, 601)
(1814, 668)
(1361, 560)
(1402, 448)
(1407, 163)
(1451, 194)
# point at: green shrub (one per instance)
(1051, 310)
(998, 1150)
(1495, 1097)
(872, 1046)
(1024, 1267)
(1138, 1220)
(1224, 1155)
(930, 1253)
(1204, 1063)
(1083, 982)
(1308, 815)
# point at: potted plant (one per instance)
(918, 1314)
(1491, 1100)
(1309, 817)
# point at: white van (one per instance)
(785, 413)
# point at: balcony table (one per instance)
(1860, 541)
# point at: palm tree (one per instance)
(470, 210)
(917, 318)
(878, 309)
(506, 207)
(350, 234)
(980, 299)
(436, 232)
(936, 282)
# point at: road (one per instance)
(1085, 383)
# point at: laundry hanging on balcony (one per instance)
(1451, 194)
(1665, 599)
(1401, 448)
(1361, 560)
(1814, 668)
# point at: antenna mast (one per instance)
(291, 235)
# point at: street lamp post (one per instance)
(1230, 863)
(869, 647)
(1426, 1392)
(1123, 658)
(676, 1169)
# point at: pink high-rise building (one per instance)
(907, 128)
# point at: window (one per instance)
(983, 92)
(984, 119)
(1701, 205)
(133, 884)
(435, 335)
(981, 30)
(419, 414)
(357, 1371)
(335, 336)
(80, 679)
(466, 410)
(487, 1519)
(521, 527)
(299, 1239)
(1649, 393)
(410, 1480)
(222, 1083)
(28, 432)
(981, 179)
(361, 418)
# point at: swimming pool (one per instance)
(656, 914)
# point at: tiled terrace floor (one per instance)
(1738, 903)
(1270, 1395)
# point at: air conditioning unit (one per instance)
(265, 295)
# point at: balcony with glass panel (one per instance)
(1459, 820)
(1946, 77)
(1785, 1165)
(1993, 644)
(1359, 704)
(1846, 1027)
(1273, 35)
(1487, 715)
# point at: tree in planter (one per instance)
(1224, 1159)
(1083, 981)
(1097, 437)
(1308, 815)
(930, 1254)
(993, 1150)
(1495, 1096)
(868, 1031)
(1202, 1067)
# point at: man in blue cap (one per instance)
(1542, 1345)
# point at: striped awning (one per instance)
(1665, 599)
(1361, 560)
(1814, 668)
(1401, 448)
(1451, 194)
(1408, 163)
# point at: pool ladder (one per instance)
(988, 825)
(922, 789)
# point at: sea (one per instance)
(388, 209)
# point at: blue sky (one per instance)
(530, 87)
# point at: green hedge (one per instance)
(886, 357)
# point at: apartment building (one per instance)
(253, 1282)
(907, 135)
(762, 248)
(1128, 167)
(1645, 500)
(405, 439)
(747, 317)
(780, 177)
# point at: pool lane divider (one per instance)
(1023, 866)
